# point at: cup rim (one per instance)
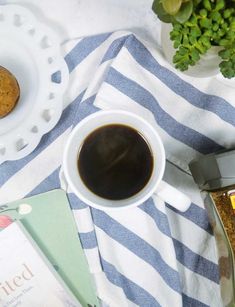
(66, 156)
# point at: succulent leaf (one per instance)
(172, 7)
(185, 12)
(160, 12)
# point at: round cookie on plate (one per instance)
(9, 92)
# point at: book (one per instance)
(26, 277)
(48, 219)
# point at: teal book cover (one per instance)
(48, 219)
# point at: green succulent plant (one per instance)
(173, 10)
(210, 22)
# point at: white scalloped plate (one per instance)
(31, 51)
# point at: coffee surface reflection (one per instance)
(115, 162)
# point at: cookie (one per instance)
(9, 92)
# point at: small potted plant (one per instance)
(198, 26)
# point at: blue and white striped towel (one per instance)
(151, 255)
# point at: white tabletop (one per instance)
(77, 18)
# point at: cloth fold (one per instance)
(151, 255)
(122, 80)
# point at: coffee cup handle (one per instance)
(172, 196)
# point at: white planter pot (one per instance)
(207, 66)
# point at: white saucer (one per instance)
(31, 51)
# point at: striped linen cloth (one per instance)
(152, 255)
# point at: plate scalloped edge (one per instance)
(24, 138)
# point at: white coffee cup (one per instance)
(156, 185)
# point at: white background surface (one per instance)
(76, 18)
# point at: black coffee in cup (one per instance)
(115, 162)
